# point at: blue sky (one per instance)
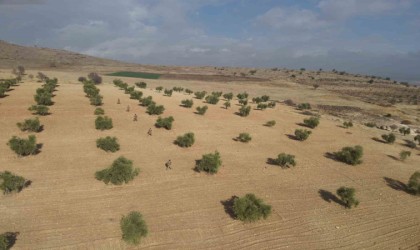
(380, 37)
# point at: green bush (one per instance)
(200, 94)
(31, 125)
(244, 137)
(146, 101)
(270, 123)
(350, 155)
(244, 111)
(413, 185)
(285, 160)
(103, 123)
(303, 106)
(212, 99)
(417, 138)
(141, 85)
(404, 155)
(39, 109)
(243, 102)
(209, 163)
(159, 89)
(178, 89)
(133, 228)
(11, 183)
(370, 124)
(228, 96)
(250, 208)
(43, 99)
(302, 134)
(121, 171)
(96, 100)
(188, 103)
(90, 89)
(405, 131)
(348, 124)
(189, 91)
(136, 95)
(243, 95)
(262, 106)
(265, 98)
(346, 195)
(129, 90)
(164, 122)
(99, 111)
(7, 240)
(168, 92)
(186, 140)
(154, 109)
(2, 91)
(312, 122)
(410, 144)
(202, 110)
(23, 147)
(108, 144)
(272, 104)
(389, 138)
(226, 104)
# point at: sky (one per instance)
(374, 37)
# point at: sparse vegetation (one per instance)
(410, 144)
(39, 109)
(11, 183)
(413, 185)
(95, 78)
(243, 95)
(200, 94)
(285, 160)
(121, 171)
(302, 134)
(404, 155)
(304, 106)
(159, 89)
(103, 123)
(209, 163)
(168, 92)
(346, 195)
(226, 104)
(312, 122)
(212, 99)
(99, 111)
(154, 109)
(389, 138)
(133, 228)
(202, 110)
(108, 144)
(270, 123)
(370, 124)
(188, 103)
(7, 240)
(146, 101)
(23, 147)
(244, 137)
(350, 155)
(244, 111)
(243, 102)
(141, 85)
(348, 124)
(272, 104)
(164, 122)
(136, 95)
(186, 140)
(96, 100)
(417, 138)
(262, 106)
(189, 91)
(405, 131)
(31, 125)
(250, 208)
(43, 98)
(228, 96)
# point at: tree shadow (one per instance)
(409, 144)
(393, 157)
(302, 125)
(292, 137)
(271, 161)
(328, 197)
(197, 162)
(39, 146)
(378, 140)
(396, 185)
(11, 238)
(3, 96)
(331, 156)
(228, 206)
(235, 138)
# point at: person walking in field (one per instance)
(168, 165)
(135, 117)
(150, 132)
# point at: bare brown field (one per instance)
(67, 208)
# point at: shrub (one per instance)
(164, 122)
(39, 109)
(95, 78)
(311, 122)
(189, 91)
(23, 147)
(257, 100)
(348, 124)
(82, 79)
(413, 185)
(154, 109)
(244, 111)
(270, 123)
(141, 85)
(346, 195)
(146, 101)
(388, 138)
(121, 171)
(250, 208)
(410, 144)
(90, 89)
(96, 100)
(108, 144)
(289, 102)
(209, 163)
(185, 141)
(272, 104)
(159, 89)
(228, 96)
(43, 99)
(265, 98)
(370, 124)
(243, 102)
(136, 95)
(243, 95)
(303, 106)
(188, 103)
(178, 89)
(11, 183)
(31, 125)
(103, 123)
(212, 99)
(417, 138)
(226, 104)
(7, 240)
(129, 90)
(99, 111)
(244, 137)
(262, 106)
(350, 155)
(285, 160)
(200, 94)
(133, 228)
(202, 110)
(168, 92)
(404, 155)
(302, 134)
(405, 131)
